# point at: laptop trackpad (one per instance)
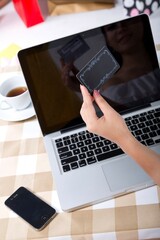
(123, 174)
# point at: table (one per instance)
(24, 162)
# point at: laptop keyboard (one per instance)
(84, 148)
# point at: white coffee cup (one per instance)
(14, 93)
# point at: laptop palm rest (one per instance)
(124, 171)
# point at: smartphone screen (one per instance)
(31, 208)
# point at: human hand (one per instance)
(66, 69)
(111, 125)
(68, 75)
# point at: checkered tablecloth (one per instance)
(24, 162)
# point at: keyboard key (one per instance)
(141, 125)
(74, 165)
(133, 127)
(91, 160)
(89, 135)
(142, 119)
(88, 141)
(128, 118)
(138, 138)
(66, 138)
(109, 154)
(143, 114)
(101, 138)
(82, 163)
(76, 151)
(107, 142)
(158, 132)
(106, 149)
(113, 146)
(146, 130)
(74, 140)
(95, 139)
(128, 123)
(82, 137)
(65, 155)
(138, 132)
(82, 133)
(67, 142)
(145, 136)
(92, 146)
(154, 127)
(156, 120)
(66, 168)
(143, 142)
(80, 144)
(136, 116)
(59, 144)
(151, 116)
(153, 134)
(74, 135)
(90, 153)
(149, 142)
(134, 121)
(58, 140)
(82, 156)
(151, 111)
(72, 146)
(149, 123)
(69, 160)
(62, 150)
(84, 149)
(99, 144)
(98, 151)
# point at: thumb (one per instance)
(101, 102)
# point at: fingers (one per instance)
(85, 94)
(88, 99)
(88, 112)
(103, 105)
(105, 124)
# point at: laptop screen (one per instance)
(118, 59)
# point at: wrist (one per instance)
(132, 147)
(128, 142)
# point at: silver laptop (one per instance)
(120, 60)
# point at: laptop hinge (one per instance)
(72, 128)
(135, 109)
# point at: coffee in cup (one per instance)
(14, 93)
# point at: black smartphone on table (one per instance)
(31, 208)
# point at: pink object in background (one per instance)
(31, 11)
(135, 7)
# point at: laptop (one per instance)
(119, 59)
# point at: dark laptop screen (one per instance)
(118, 59)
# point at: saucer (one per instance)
(13, 115)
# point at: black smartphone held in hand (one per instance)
(31, 208)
